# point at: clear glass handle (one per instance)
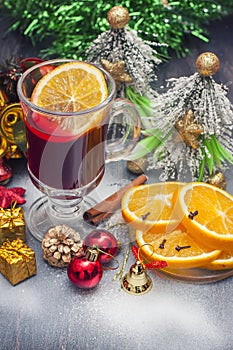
(123, 131)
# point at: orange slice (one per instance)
(213, 222)
(223, 262)
(72, 87)
(151, 207)
(177, 248)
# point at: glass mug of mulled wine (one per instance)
(74, 126)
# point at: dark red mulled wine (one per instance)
(61, 159)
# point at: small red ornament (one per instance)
(5, 172)
(28, 62)
(32, 61)
(105, 241)
(86, 271)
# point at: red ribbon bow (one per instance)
(159, 264)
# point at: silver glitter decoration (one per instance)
(140, 57)
(212, 110)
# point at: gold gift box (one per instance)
(17, 261)
(12, 224)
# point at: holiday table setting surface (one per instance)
(48, 312)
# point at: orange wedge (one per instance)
(212, 222)
(151, 207)
(177, 248)
(72, 87)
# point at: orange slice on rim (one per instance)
(72, 87)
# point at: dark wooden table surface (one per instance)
(47, 312)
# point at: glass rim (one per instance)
(36, 108)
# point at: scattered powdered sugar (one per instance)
(48, 311)
(164, 320)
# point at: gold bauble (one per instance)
(207, 64)
(137, 166)
(118, 17)
(218, 179)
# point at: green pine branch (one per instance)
(142, 103)
(214, 154)
(71, 26)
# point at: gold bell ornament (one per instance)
(137, 281)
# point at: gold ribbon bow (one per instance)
(15, 251)
(10, 218)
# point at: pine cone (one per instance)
(60, 244)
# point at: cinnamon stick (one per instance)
(109, 205)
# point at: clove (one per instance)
(192, 214)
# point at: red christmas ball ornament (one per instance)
(105, 241)
(86, 271)
(5, 172)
